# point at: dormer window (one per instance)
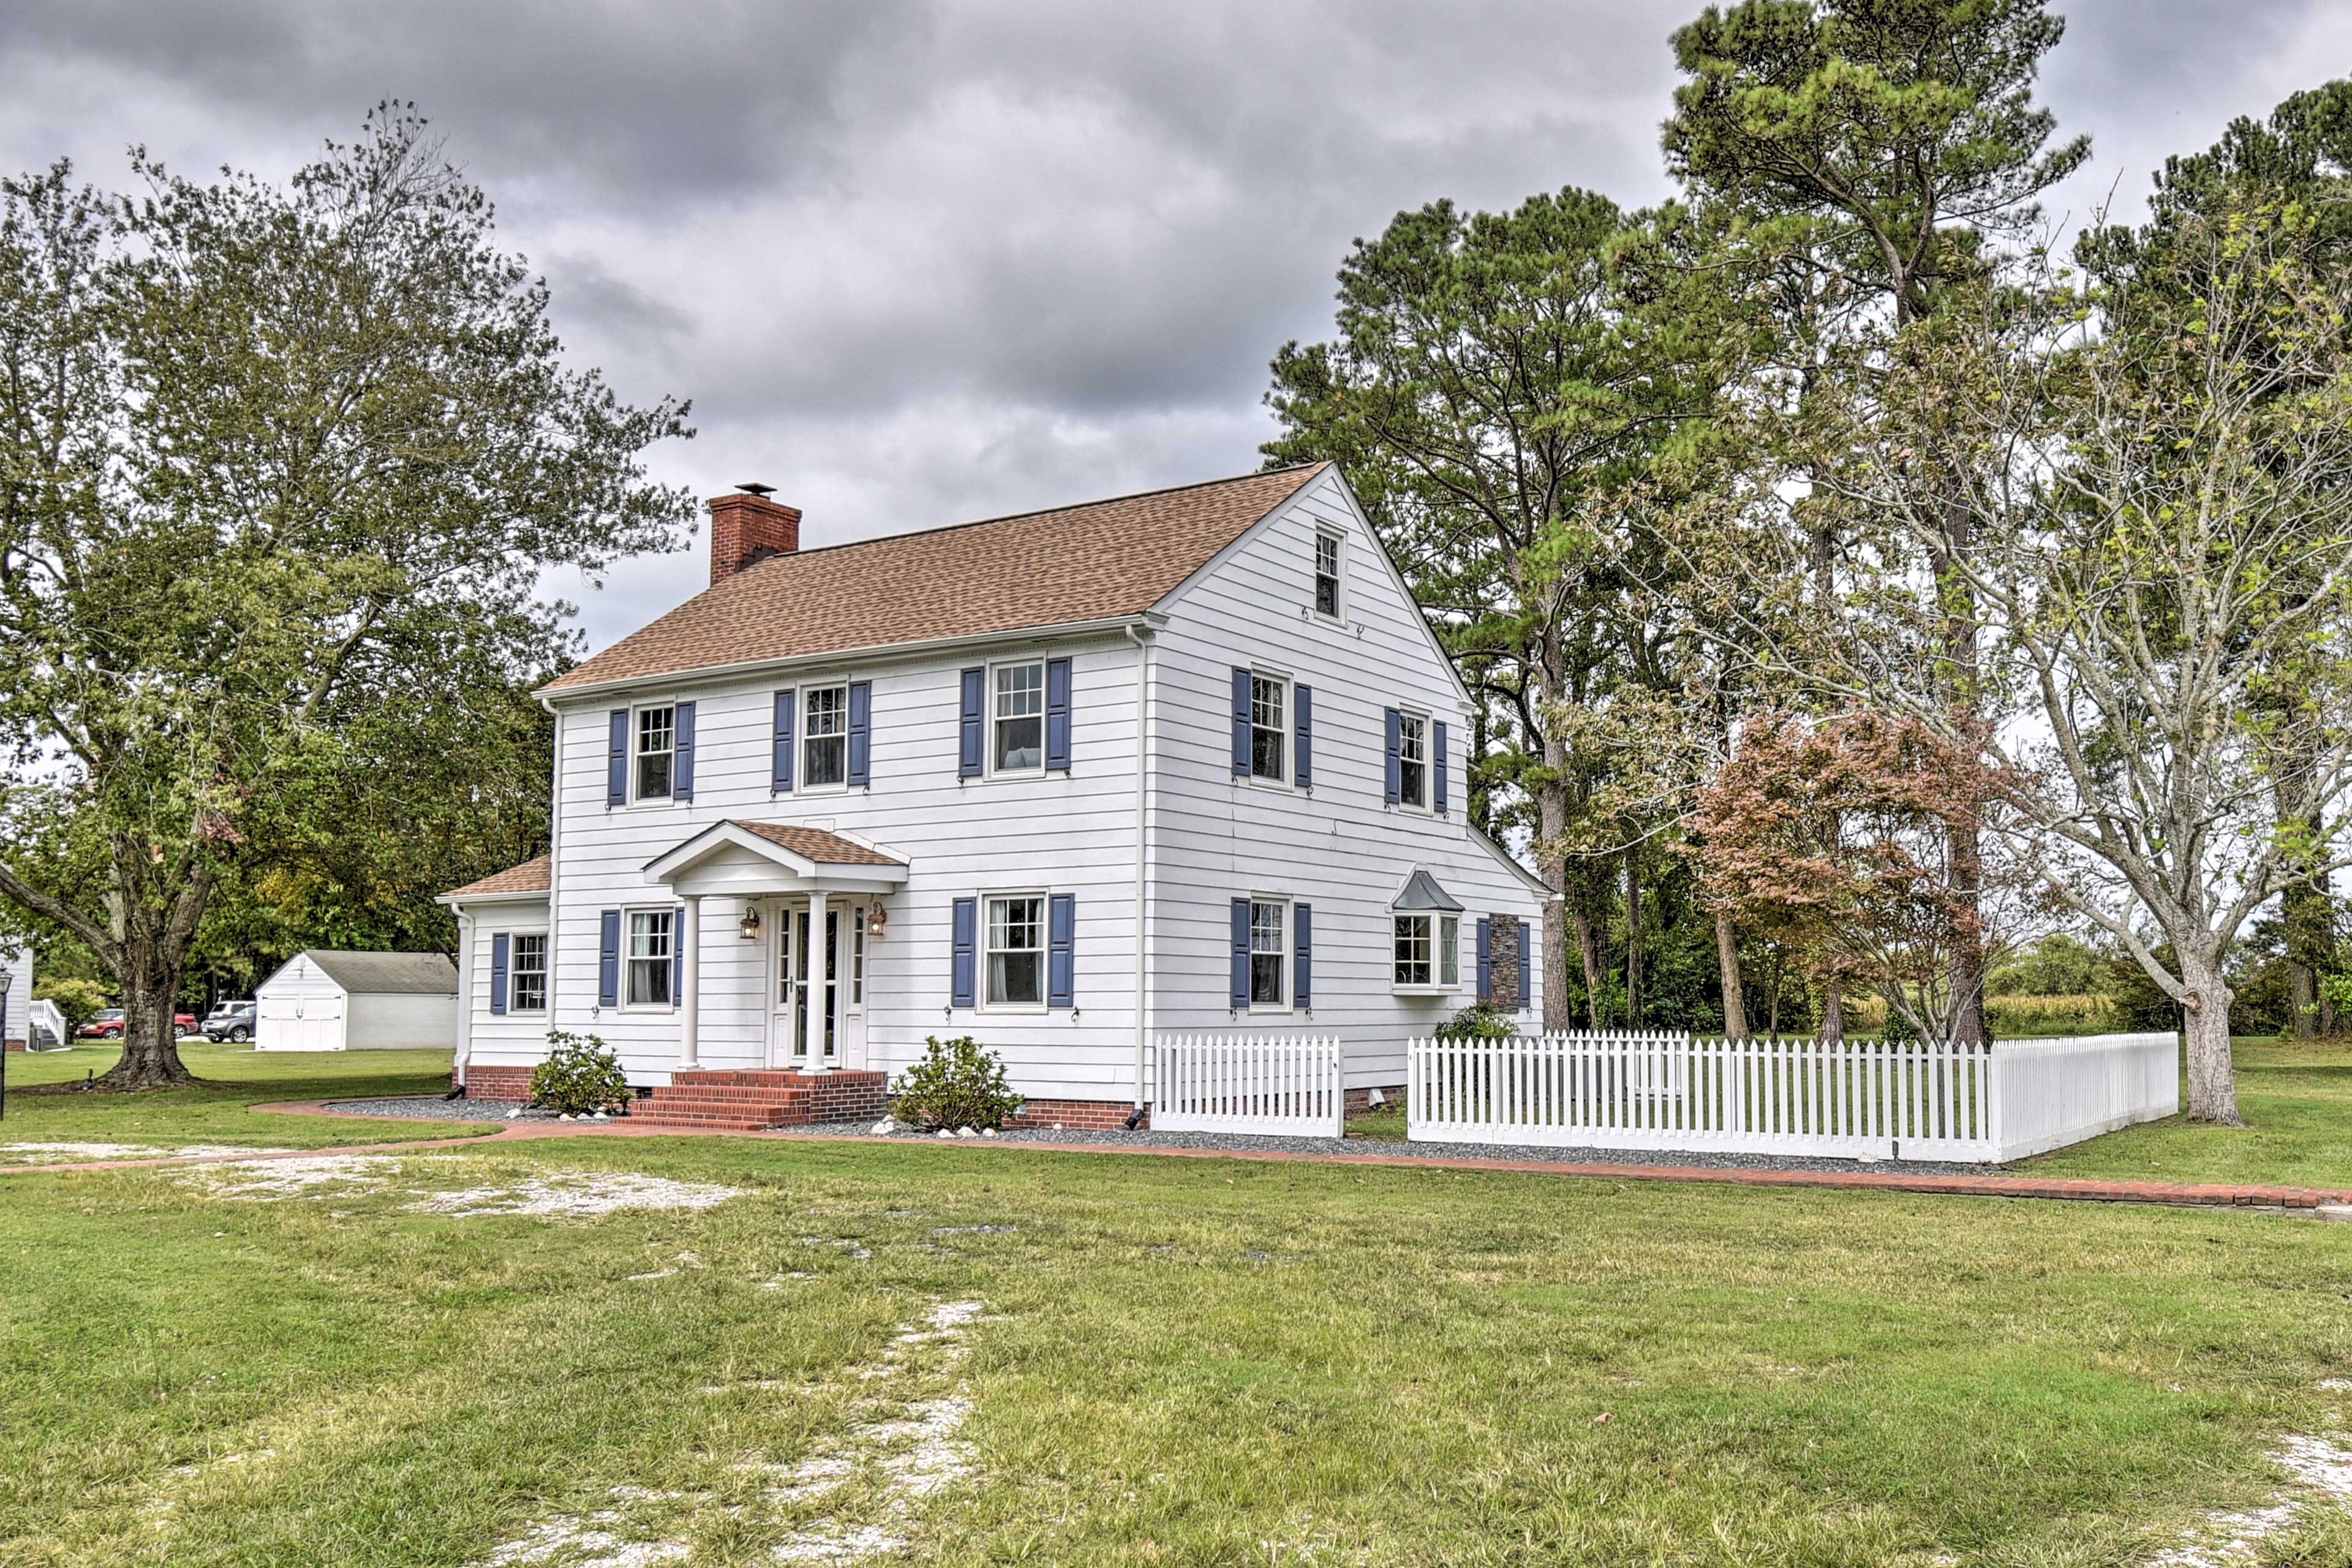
(655, 761)
(1327, 574)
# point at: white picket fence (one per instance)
(1250, 1083)
(1852, 1099)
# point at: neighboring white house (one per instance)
(14, 1028)
(1065, 782)
(324, 1001)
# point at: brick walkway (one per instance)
(1991, 1184)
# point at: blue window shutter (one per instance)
(962, 967)
(1241, 722)
(677, 954)
(1061, 975)
(498, 971)
(1302, 955)
(861, 731)
(1392, 785)
(1526, 968)
(780, 779)
(616, 761)
(1058, 715)
(1302, 702)
(1241, 952)
(682, 779)
(608, 961)
(1485, 958)
(1437, 767)
(970, 723)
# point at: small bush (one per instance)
(580, 1076)
(79, 1000)
(956, 1084)
(1478, 1021)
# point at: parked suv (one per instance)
(107, 1024)
(229, 1021)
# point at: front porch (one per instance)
(805, 906)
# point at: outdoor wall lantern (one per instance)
(749, 924)
(875, 921)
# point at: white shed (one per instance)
(324, 1001)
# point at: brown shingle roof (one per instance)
(530, 877)
(1040, 569)
(815, 844)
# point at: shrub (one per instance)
(579, 1076)
(1898, 1029)
(956, 1084)
(79, 1000)
(1478, 1021)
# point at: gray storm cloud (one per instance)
(917, 263)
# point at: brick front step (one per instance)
(748, 1101)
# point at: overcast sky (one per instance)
(918, 263)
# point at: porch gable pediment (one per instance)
(735, 857)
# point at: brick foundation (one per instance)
(13, 1046)
(1360, 1100)
(1094, 1115)
(495, 1083)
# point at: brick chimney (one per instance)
(747, 527)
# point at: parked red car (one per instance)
(107, 1024)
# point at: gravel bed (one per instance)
(433, 1108)
(1244, 1144)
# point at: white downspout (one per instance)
(464, 995)
(1142, 879)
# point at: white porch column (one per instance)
(820, 952)
(689, 986)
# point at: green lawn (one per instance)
(1177, 1362)
(235, 1078)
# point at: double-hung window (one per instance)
(1016, 951)
(1269, 728)
(1017, 731)
(825, 737)
(1428, 951)
(1327, 574)
(651, 932)
(1269, 953)
(655, 752)
(527, 972)
(1413, 760)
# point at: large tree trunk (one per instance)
(1551, 864)
(150, 994)
(1727, 958)
(2212, 1091)
(1834, 1009)
(2309, 921)
(1633, 938)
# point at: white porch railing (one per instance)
(1249, 1083)
(1849, 1099)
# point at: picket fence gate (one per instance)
(1267, 1084)
(1851, 1099)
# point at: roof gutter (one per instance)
(550, 696)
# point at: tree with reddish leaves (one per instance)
(1831, 836)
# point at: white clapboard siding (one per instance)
(1269, 1084)
(1852, 1099)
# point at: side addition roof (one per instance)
(1095, 562)
(530, 877)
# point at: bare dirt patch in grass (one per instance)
(565, 1194)
(2321, 1470)
(74, 1154)
(868, 1478)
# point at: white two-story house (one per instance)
(1066, 783)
